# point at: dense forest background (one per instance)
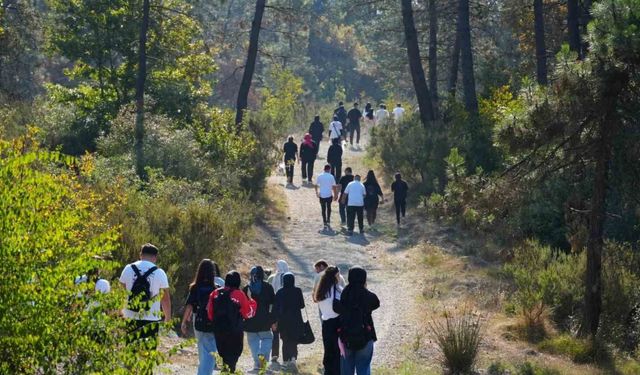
(133, 121)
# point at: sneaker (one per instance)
(274, 359)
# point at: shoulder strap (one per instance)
(149, 271)
(136, 270)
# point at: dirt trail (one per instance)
(301, 240)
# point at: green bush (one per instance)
(458, 340)
(579, 350)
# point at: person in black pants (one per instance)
(334, 158)
(343, 182)
(290, 152)
(289, 302)
(371, 201)
(354, 197)
(328, 290)
(354, 117)
(399, 189)
(316, 129)
(307, 157)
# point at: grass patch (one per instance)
(627, 366)
(409, 367)
(579, 350)
(458, 339)
(525, 368)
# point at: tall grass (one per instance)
(458, 339)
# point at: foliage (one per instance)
(579, 350)
(50, 233)
(525, 368)
(458, 340)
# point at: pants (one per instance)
(354, 129)
(336, 170)
(325, 204)
(372, 213)
(230, 347)
(307, 170)
(289, 349)
(317, 141)
(275, 344)
(352, 212)
(260, 344)
(289, 167)
(401, 207)
(331, 358)
(206, 348)
(357, 362)
(343, 213)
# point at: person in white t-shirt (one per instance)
(328, 289)
(354, 196)
(335, 129)
(145, 323)
(326, 192)
(398, 112)
(381, 114)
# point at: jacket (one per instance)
(354, 294)
(334, 155)
(289, 302)
(247, 306)
(308, 153)
(316, 129)
(263, 318)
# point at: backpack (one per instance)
(354, 331)
(140, 297)
(341, 113)
(226, 313)
(201, 318)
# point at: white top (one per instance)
(334, 129)
(103, 286)
(381, 115)
(355, 193)
(326, 182)
(397, 113)
(326, 305)
(157, 280)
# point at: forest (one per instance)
(124, 122)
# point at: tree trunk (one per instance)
(453, 72)
(466, 58)
(433, 52)
(415, 63)
(541, 49)
(573, 26)
(140, 83)
(250, 66)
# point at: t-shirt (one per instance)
(400, 189)
(398, 112)
(356, 192)
(381, 115)
(157, 280)
(335, 127)
(290, 150)
(344, 181)
(325, 182)
(354, 116)
(326, 305)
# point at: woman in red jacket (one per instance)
(227, 308)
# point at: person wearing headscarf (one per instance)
(308, 154)
(316, 129)
(371, 200)
(229, 339)
(289, 302)
(258, 328)
(276, 280)
(357, 299)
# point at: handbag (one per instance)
(306, 336)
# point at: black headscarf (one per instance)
(232, 280)
(355, 290)
(288, 280)
(257, 277)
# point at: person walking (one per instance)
(227, 308)
(400, 189)
(343, 182)
(203, 284)
(149, 298)
(354, 198)
(371, 200)
(316, 129)
(308, 155)
(398, 112)
(319, 267)
(290, 149)
(381, 115)
(258, 328)
(276, 281)
(356, 330)
(341, 113)
(368, 114)
(354, 115)
(328, 290)
(334, 158)
(289, 302)
(326, 191)
(335, 129)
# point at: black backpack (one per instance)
(354, 331)
(342, 114)
(140, 297)
(202, 322)
(226, 313)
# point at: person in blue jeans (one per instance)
(356, 305)
(258, 328)
(205, 282)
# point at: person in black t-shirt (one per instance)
(341, 113)
(290, 151)
(354, 117)
(400, 189)
(334, 158)
(344, 181)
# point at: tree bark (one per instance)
(466, 58)
(541, 49)
(250, 66)
(433, 52)
(453, 71)
(573, 26)
(140, 84)
(415, 63)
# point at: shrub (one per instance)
(579, 350)
(458, 340)
(525, 368)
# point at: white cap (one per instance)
(103, 286)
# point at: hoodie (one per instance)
(355, 293)
(316, 129)
(289, 302)
(276, 279)
(334, 155)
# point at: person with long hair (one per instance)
(327, 290)
(308, 153)
(276, 281)
(258, 328)
(203, 284)
(289, 302)
(371, 201)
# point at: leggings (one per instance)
(307, 170)
(325, 204)
(401, 207)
